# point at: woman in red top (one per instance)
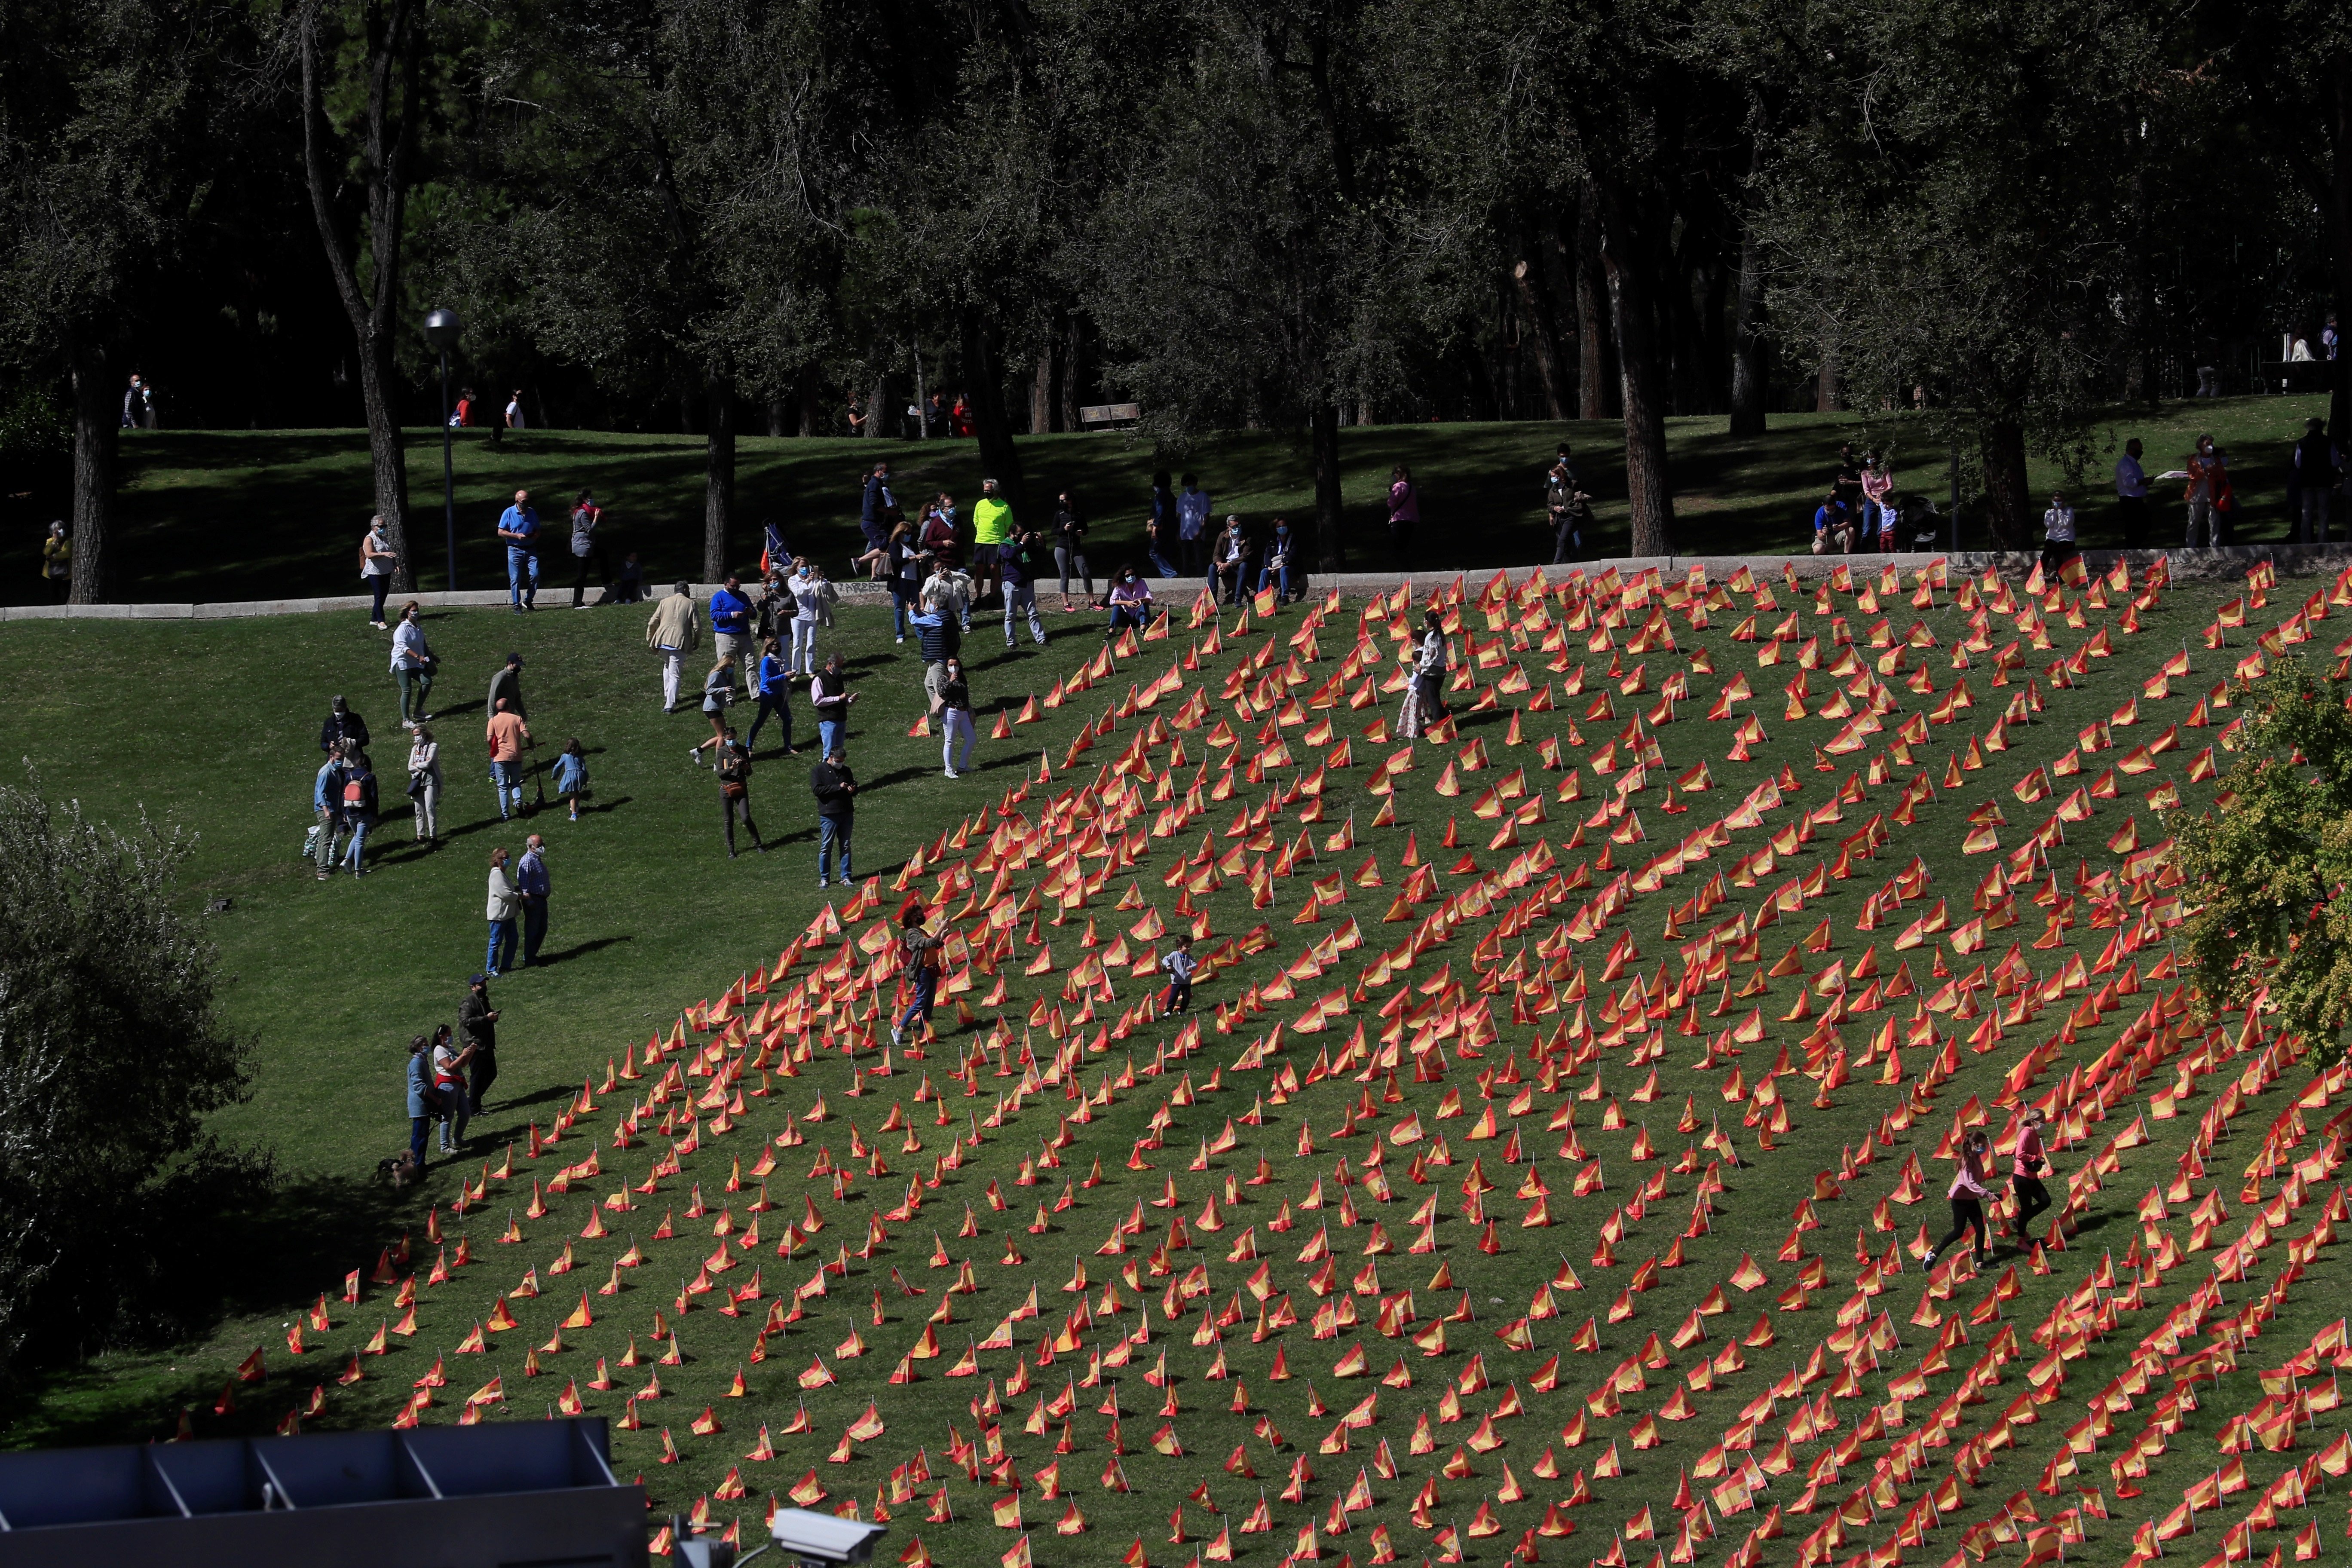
(2025, 1172)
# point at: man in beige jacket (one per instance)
(674, 631)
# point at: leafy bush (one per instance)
(112, 1052)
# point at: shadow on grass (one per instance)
(578, 950)
(212, 1247)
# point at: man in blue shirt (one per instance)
(532, 887)
(519, 526)
(326, 804)
(1832, 523)
(731, 624)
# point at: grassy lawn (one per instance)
(212, 726)
(262, 514)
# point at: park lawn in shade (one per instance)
(1508, 973)
(233, 515)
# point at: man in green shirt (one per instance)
(992, 525)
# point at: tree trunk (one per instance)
(983, 369)
(923, 392)
(1543, 337)
(386, 454)
(776, 413)
(1330, 541)
(1715, 339)
(811, 405)
(1041, 396)
(875, 402)
(1825, 383)
(98, 419)
(1752, 364)
(719, 481)
(2008, 504)
(1070, 390)
(1641, 379)
(392, 41)
(1591, 314)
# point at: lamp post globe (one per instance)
(441, 330)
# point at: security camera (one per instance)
(819, 1538)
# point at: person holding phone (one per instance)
(735, 791)
(830, 695)
(413, 664)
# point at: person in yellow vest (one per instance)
(992, 525)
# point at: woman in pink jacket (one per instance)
(2025, 1173)
(1969, 1191)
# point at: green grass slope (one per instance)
(1573, 981)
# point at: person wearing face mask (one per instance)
(2208, 493)
(807, 591)
(1971, 1188)
(1229, 562)
(953, 702)
(1277, 569)
(1019, 562)
(775, 694)
(2058, 536)
(1130, 601)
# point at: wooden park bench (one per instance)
(1107, 414)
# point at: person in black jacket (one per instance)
(835, 788)
(478, 1029)
(345, 726)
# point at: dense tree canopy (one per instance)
(1994, 221)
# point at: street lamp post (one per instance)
(441, 329)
